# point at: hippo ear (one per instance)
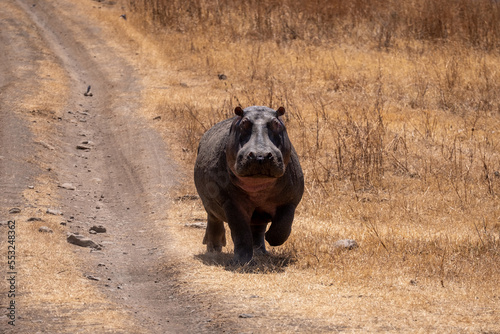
(238, 111)
(280, 111)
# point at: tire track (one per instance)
(122, 177)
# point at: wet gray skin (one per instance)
(247, 174)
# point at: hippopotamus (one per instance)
(248, 174)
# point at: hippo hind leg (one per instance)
(215, 234)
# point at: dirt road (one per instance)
(121, 173)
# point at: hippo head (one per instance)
(258, 144)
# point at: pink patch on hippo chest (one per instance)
(259, 192)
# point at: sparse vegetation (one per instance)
(391, 105)
(393, 108)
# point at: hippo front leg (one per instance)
(241, 233)
(215, 234)
(258, 232)
(281, 225)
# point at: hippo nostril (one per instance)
(259, 157)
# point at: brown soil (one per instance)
(122, 181)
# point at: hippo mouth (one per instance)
(259, 172)
(260, 176)
(252, 184)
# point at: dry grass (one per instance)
(395, 115)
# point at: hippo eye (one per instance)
(276, 126)
(245, 125)
(276, 132)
